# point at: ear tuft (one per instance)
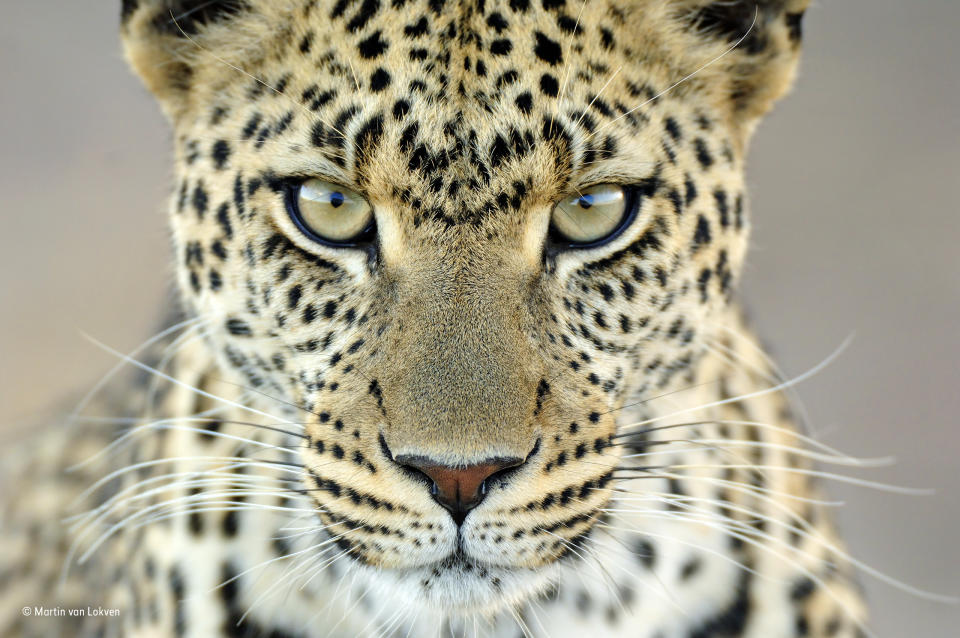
(762, 66)
(179, 17)
(127, 7)
(738, 19)
(165, 39)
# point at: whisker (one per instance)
(883, 487)
(82, 404)
(187, 386)
(756, 424)
(758, 393)
(725, 444)
(239, 460)
(806, 531)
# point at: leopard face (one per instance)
(460, 362)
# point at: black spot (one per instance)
(646, 553)
(568, 25)
(321, 99)
(690, 568)
(400, 109)
(732, 620)
(217, 249)
(178, 591)
(199, 200)
(379, 80)
(802, 589)
(293, 297)
(524, 102)
(497, 22)
(318, 134)
(547, 50)
(369, 135)
(690, 191)
(549, 85)
(230, 524)
(723, 208)
(238, 328)
(306, 43)
(220, 153)
(703, 153)
(501, 47)
(673, 128)
(216, 282)
(251, 126)
(498, 152)
(606, 291)
(223, 218)
(606, 38)
(702, 282)
(421, 27)
(373, 46)
(367, 10)
(408, 137)
(701, 236)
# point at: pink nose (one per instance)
(458, 489)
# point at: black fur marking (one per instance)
(548, 50)
(733, 620)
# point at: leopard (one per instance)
(456, 347)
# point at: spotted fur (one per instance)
(652, 500)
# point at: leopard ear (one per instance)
(165, 41)
(767, 36)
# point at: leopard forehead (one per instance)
(459, 337)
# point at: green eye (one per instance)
(592, 216)
(330, 213)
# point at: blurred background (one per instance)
(855, 183)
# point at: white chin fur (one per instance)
(454, 589)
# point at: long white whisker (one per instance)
(187, 386)
(758, 393)
(75, 414)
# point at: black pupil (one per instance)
(336, 199)
(585, 201)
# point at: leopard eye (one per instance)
(593, 216)
(330, 213)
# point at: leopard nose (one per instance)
(459, 489)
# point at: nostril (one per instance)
(458, 489)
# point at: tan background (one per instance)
(855, 185)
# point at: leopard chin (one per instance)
(460, 586)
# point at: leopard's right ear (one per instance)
(166, 41)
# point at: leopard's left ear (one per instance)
(168, 41)
(762, 66)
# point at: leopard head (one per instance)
(461, 237)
